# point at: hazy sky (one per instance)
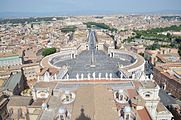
(45, 6)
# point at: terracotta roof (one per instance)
(161, 57)
(138, 101)
(42, 72)
(151, 52)
(7, 54)
(137, 84)
(167, 65)
(53, 71)
(165, 68)
(144, 115)
(132, 93)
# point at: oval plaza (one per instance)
(94, 60)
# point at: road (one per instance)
(92, 40)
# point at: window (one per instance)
(120, 97)
(127, 117)
(147, 95)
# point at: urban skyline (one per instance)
(79, 7)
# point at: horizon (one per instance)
(14, 15)
(35, 8)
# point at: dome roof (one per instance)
(44, 106)
(67, 92)
(121, 91)
(127, 109)
(61, 110)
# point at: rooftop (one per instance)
(7, 54)
(144, 115)
(91, 103)
(20, 101)
(71, 86)
(11, 83)
(8, 57)
(50, 85)
(170, 70)
(160, 107)
(38, 102)
(148, 84)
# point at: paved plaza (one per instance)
(103, 64)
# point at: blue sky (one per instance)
(73, 6)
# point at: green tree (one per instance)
(68, 29)
(100, 26)
(153, 47)
(48, 51)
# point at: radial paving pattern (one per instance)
(81, 64)
(92, 60)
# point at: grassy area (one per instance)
(69, 29)
(155, 33)
(48, 51)
(100, 26)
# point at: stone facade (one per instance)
(166, 78)
(10, 61)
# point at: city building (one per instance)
(168, 55)
(90, 76)
(149, 92)
(162, 55)
(31, 71)
(18, 107)
(175, 109)
(150, 56)
(168, 77)
(138, 49)
(9, 59)
(81, 99)
(14, 85)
